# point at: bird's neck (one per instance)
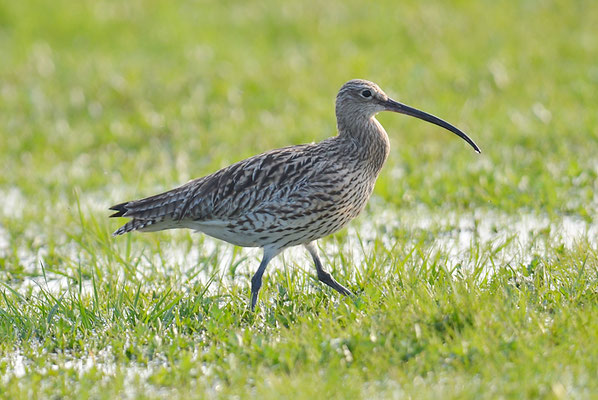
(370, 138)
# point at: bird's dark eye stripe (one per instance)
(366, 93)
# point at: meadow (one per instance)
(476, 275)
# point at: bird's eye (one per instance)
(366, 93)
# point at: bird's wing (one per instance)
(245, 186)
(232, 191)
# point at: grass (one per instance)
(476, 275)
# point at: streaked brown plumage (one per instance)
(289, 196)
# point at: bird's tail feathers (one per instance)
(151, 213)
(133, 225)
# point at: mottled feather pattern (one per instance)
(283, 190)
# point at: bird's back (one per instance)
(286, 196)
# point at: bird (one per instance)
(289, 196)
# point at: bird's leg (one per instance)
(256, 280)
(323, 275)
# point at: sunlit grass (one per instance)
(475, 274)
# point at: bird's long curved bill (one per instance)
(414, 112)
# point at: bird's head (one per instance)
(359, 99)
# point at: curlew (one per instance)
(289, 196)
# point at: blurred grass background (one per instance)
(149, 94)
(102, 101)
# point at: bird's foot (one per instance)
(253, 301)
(326, 278)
